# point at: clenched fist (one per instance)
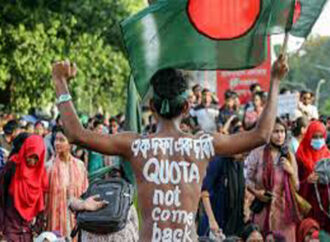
(280, 68)
(63, 71)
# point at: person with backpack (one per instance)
(120, 217)
(311, 152)
(169, 165)
(67, 180)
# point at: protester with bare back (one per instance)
(169, 165)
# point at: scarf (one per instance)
(306, 154)
(291, 211)
(305, 226)
(60, 192)
(29, 183)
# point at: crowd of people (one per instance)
(275, 192)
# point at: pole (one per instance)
(285, 44)
(317, 92)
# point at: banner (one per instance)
(240, 81)
(287, 104)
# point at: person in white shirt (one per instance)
(206, 113)
(305, 107)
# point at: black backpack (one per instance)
(112, 218)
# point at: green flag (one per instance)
(202, 35)
(307, 12)
(132, 121)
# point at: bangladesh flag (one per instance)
(306, 14)
(202, 35)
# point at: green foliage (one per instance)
(35, 33)
(309, 66)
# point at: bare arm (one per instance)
(92, 203)
(245, 141)
(208, 209)
(118, 144)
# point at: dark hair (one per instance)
(254, 86)
(113, 119)
(298, 125)
(18, 142)
(229, 94)
(248, 230)
(278, 236)
(168, 84)
(57, 120)
(282, 123)
(99, 117)
(284, 90)
(39, 122)
(10, 127)
(303, 92)
(56, 129)
(28, 125)
(196, 86)
(97, 123)
(205, 90)
(261, 94)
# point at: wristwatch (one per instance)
(63, 98)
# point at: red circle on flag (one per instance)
(297, 11)
(223, 19)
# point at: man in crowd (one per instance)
(11, 130)
(169, 165)
(206, 113)
(306, 107)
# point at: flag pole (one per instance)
(285, 44)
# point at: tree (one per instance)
(306, 68)
(35, 33)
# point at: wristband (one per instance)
(63, 98)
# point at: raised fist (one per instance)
(63, 71)
(280, 68)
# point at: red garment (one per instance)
(305, 227)
(307, 157)
(306, 154)
(29, 183)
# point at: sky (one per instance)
(322, 26)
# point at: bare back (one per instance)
(169, 173)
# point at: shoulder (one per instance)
(256, 153)
(79, 163)
(8, 169)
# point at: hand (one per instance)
(94, 203)
(287, 166)
(64, 71)
(313, 178)
(214, 227)
(280, 68)
(260, 194)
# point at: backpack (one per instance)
(322, 168)
(112, 218)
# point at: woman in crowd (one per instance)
(95, 159)
(251, 115)
(130, 233)
(23, 182)
(252, 233)
(68, 179)
(298, 131)
(312, 149)
(272, 177)
(223, 196)
(307, 228)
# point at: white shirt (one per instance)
(206, 118)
